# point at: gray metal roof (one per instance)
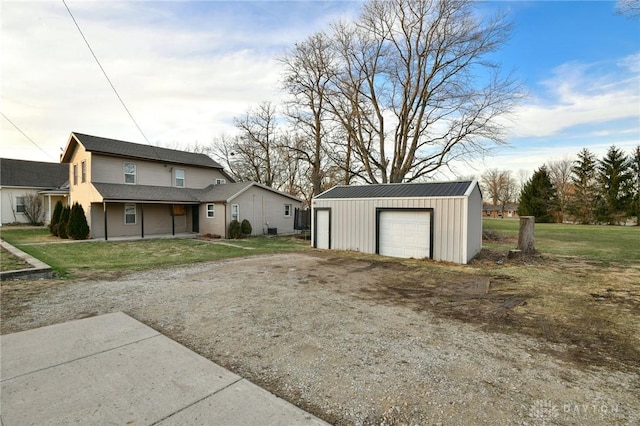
(33, 174)
(147, 152)
(399, 190)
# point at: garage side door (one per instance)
(404, 233)
(322, 229)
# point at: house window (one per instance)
(287, 210)
(211, 210)
(179, 174)
(20, 206)
(235, 212)
(129, 214)
(220, 181)
(75, 174)
(129, 173)
(83, 171)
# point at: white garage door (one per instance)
(404, 233)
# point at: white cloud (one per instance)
(184, 70)
(580, 94)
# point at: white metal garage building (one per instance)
(435, 220)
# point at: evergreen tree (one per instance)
(55, 218)
(635, 168)
(538, 197)
(615, 180)
(63, 225)
(585, 187)
(78, 226)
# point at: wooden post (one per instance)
(525, 235)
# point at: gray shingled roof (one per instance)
(159, 194)
(147, 152)
(397, 190)
(33, 174)
(223, 192)
(124, 192)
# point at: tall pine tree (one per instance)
(615, 179)
(585, 187)
(635, 168)
(538, 197)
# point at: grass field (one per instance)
(70, 258)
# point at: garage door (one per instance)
(404, 233)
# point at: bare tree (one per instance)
(560, 175)
(629, 8)
(33, 208)
(309, 67)
(255, 150)
(499, 186)
(491, 181)
(407, 93)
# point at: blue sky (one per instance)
(185, 69)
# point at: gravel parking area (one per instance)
(308, 328)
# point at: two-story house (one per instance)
(129, 189)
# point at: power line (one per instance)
(25, 135)
(105, 73)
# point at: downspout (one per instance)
(142, 219)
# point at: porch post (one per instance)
(173, 221)
(142, 218)
(49, 212)
(104, 209)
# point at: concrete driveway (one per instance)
(112, 369)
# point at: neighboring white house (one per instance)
(21, 178)
(437, 220)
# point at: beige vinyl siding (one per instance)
(353, 223)
(111, 170)
(157, 220)
(264, 209)
(215, 225)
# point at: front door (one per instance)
(195, 218)
(322, 231)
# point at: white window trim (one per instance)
(75, 174)
(285, 210)
(24, 205)
(237, 206)
(83, 171)
(213, 210)
(135, 173)
(175, 178)
(135, 215)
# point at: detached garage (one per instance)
(436, 220)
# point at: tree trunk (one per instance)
(525, 236)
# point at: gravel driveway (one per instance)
(303, 326)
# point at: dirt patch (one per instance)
(356, 339)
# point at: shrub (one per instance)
(78, 228)
(55, 218)
(245, 227)
(235, 230)
(63, 225)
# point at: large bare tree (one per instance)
(308, 69)
(414, 88)
(560, 175)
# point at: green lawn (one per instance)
(601, 244)
(70, 257)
